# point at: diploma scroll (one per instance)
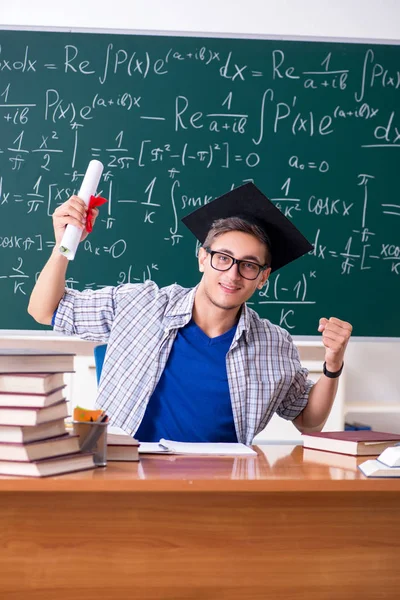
(72, 235)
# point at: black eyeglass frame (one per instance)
(235, 261)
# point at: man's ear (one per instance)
(202, 255)
(264, 277)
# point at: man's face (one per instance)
(228, 289)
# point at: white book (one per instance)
(30, 383)
(32, 416)
(390, 456)
(11, 400)
(31, 451)
(57, 465)
(24, 434)
(374, 468)
(20, 360)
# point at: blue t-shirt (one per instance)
(191, 402)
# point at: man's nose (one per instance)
(234, 271)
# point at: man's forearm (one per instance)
(320, 401)
(335, 336)
(49, 288)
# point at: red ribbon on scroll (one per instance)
(94, 201)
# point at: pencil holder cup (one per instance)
(93, 438)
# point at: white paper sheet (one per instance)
(72, 235)
(152, 448)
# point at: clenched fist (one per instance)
(335, 337)
(72, 212)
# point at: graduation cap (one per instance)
(250, 204)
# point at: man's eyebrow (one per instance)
(247, 257)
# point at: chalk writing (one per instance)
(178, 121)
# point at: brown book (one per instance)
(31, 400)
(18, 360)
(122, 447)
(357, 443)
(46, 467)
(64, 444)
(25, 434)
(30, 383)
(32, 416)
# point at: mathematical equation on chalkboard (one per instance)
(177, 122)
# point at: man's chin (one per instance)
(226, 304)
(225, 301)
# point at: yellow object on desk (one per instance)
(84, 414)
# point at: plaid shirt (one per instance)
(139, 322)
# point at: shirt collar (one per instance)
(243, 326)
(180, 313)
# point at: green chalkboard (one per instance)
(178, 121)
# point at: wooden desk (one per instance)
(183, 528)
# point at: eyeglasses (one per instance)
(224, 262)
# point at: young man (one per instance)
(199, 364)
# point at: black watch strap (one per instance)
(330, 373)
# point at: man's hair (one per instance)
(221, 226)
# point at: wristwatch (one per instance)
(331, 374)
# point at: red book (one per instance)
(358, 443)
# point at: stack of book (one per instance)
(33, 438)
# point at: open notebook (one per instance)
(216, 449)
(171, 447)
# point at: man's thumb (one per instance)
(322, 322)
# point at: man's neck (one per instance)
(211, 319)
